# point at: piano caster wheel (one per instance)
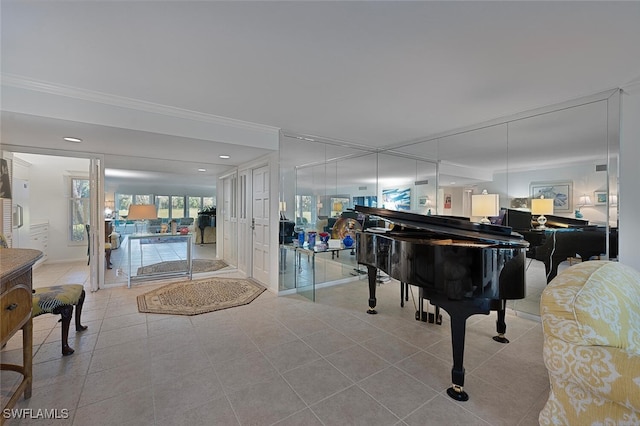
(457, 393)
(500, 338)
(371, 311)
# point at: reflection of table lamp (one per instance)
(337, 207)
(485, 205)
(283, 208)
(142, 212)
(108, 209)
(541, 206)
(427, 204)
(584, 200)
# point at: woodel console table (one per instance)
(16, 303)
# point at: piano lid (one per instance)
(448, 226)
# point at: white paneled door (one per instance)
(260, 224)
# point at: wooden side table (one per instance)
(16, 305)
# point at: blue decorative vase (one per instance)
(300, 238)
(578, 214)
(311, 239)
(347, 241)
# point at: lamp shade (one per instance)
(485, 205)
(142, 212)
(541, 206)
(584, 200)
(283, 206)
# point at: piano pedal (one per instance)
(430, 317)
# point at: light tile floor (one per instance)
(278, 360)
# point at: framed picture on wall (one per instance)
(520, 203)
(560, 192)
(600, 198)
(5, 182)
(396, 198)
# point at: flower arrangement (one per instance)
(208, 210)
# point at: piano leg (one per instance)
(372, 275)
(404, 293)
(459, 311)
(501, 325)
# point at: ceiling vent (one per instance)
(601, 167)
(362, 188)
(422, 182)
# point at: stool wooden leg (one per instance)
(80, 327)
(66, 312)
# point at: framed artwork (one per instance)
(447, 201)
(560, 192)
(600, 198)
(5, 183)
(396, 198)
(520, 203)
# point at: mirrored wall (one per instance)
(571, 148)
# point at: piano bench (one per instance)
(60, 300)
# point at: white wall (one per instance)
(629, 200)
(49, 201)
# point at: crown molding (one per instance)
(24, 83)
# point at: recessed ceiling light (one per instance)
(202, 170)
(70, 139)
(225, 156)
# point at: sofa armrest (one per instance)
(607, 372)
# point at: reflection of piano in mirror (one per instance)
(462, 267)
(563, 238)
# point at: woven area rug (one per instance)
(199, 296)
(198, 265)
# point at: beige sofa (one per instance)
(591, 326)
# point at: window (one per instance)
(162, 203)
(177, 206)
(143, 199)
(195, 205)
(79, 209)
(123, 201)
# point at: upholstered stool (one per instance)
(60, 299)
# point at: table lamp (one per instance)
(541, 206)
(142, 212)
(485, 205)
(584, 200)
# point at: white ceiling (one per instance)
(367, 72)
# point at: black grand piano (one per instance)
(462, 267)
